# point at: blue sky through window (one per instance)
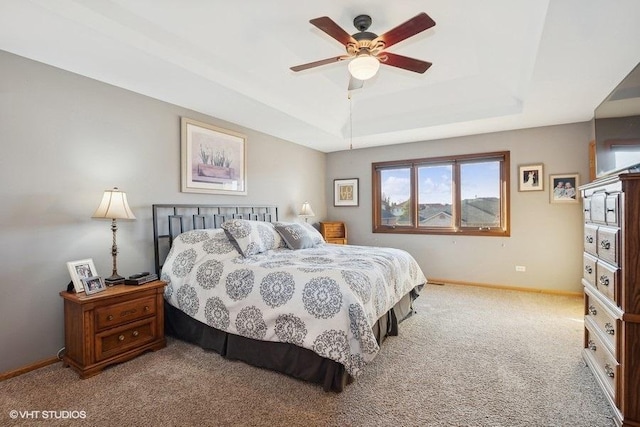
(481, 179)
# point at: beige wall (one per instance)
(545, 238)
(65, 139)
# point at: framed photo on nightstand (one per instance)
(93, 284)
(79, 270)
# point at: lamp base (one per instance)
(115, 279)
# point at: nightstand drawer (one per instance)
(124, 312)
(115, 341)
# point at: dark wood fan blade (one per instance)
(318, 63)
(327, 25)
(403, 31)
(400, 61)
(355, 83)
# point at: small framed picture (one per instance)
(564, 188)
(79, 270)
(345, 192)
(93, 284)
(530, 178)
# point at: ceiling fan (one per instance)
(366, 50)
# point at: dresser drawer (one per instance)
(591, 239)
(124, 312)
(586, 208)
(589, 263)
(612, 209)
(597, 207)
(607, 244)
(604, 320)
(115, 341)
(607, 280)
(603, 362)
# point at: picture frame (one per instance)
(563, 188)
(531, 177)
(213, 160)
(79, 270)
(345, 192)
(93, 284)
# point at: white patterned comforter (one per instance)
(325, 299)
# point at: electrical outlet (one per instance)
(521, 268)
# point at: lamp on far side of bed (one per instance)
(114, 206)
(306, 212)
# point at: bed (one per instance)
(274, 295)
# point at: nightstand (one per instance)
(334, 232)
(112, 326)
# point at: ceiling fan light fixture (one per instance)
(364, 66)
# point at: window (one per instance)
(465, 194)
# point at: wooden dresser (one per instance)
(334, 232)
(611, 279)
(112, 326)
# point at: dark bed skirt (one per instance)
(286, 358)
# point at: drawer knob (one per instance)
(610, 329)
(592, 345)
(609, 371)
(110, 317)
(604, 280)
(605, 244)
(146, 308)
(592, 310)
(135, 333)
(121, 338)
(589, 239)
(588, 269)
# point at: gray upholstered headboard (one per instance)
(171, 220)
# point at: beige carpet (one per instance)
(469, 357)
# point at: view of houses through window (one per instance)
(443, 195)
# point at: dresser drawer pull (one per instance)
(605, 244)
(604, 280)
(588, 269)
(611, 210)
(592, 310)
(110, 317)
(589, 239)
(609, 370)
(146, 308)
(592, 345)
(121, 338)
(610, 329)
(135, 333)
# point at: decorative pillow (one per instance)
(252, 237)
(314, 233)
(296, 235)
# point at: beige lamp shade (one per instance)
(306, 210)
(114, 206)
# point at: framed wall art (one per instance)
(79, 270)
(345, 192)
(563, 188)
(531, 178)
(213, 159)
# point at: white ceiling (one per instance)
(498, 64)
